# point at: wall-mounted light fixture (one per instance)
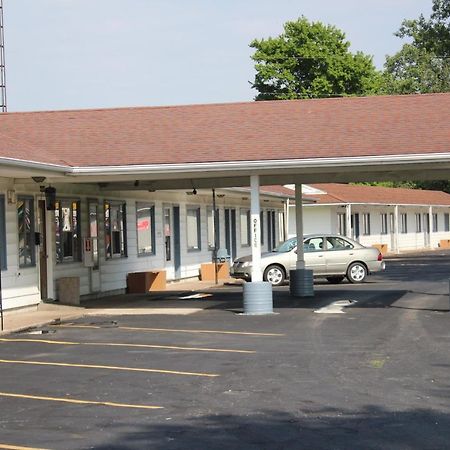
(50, 198)
(38, 179)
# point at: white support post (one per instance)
(257, 294)
(301, 279)
(430, 226)
(255, 229)
(397, 248)
(348, 220)
(286, 219)
(299, 226)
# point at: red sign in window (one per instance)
(143, 224)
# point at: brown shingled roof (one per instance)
(348, 193)
(341, 127)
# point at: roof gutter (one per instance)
(34, 165)
(438, 205)
(273, 165)
(232, 166)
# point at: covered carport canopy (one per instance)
(221, 145)
(226, 145)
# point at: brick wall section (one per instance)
(342, 127)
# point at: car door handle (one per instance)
(320, 256)
(351, 254)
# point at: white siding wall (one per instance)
(411, 240)
(21, 286)
(316, 219)
(323, 219)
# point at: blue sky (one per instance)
(66, 54)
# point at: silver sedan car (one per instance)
(333, 257)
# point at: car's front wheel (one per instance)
(274, 275)
(356, 272)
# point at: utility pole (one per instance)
(2, 109)
(2, 63)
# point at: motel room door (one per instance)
(230, 233)
(172, 246)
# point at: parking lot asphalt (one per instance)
(373, 375)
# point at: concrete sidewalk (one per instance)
(169, 302)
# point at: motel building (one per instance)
(392, 219)
(89, 197)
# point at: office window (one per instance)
(366, 223)
(145, 225)
(403, 223)
(2, 234)
(245, 227)
(446, 222)
(384, 223)
(25, 219)
(435, 222)
(115, 230)
(67, 226)
(213, 233)
(193, 228)
(418, 223)
(342, 224)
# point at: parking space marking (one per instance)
(96, 366)
(114, 344)
(172, 330)
(18, 447)
(79, 402)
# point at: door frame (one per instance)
(173, 247)
(43, 247)
(230, 232)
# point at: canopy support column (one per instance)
(348, 220)
(396, 242)
(258, 293)
(301, 279)
(430, 226)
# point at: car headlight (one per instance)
(246, 264)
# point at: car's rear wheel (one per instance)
(356, 272)
(274, 275)
(335, 280)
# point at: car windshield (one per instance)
(286, 246)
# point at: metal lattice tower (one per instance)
(2, 63)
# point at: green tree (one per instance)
(311, 60)
(422, 65)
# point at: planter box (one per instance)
(68, 290)
(444, 243)
(382, 247)
(207, 271)
(143, 282)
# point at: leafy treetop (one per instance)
(311, 60)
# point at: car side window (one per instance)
(315, 244)
(336, 243)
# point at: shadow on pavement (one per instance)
(372, 427)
